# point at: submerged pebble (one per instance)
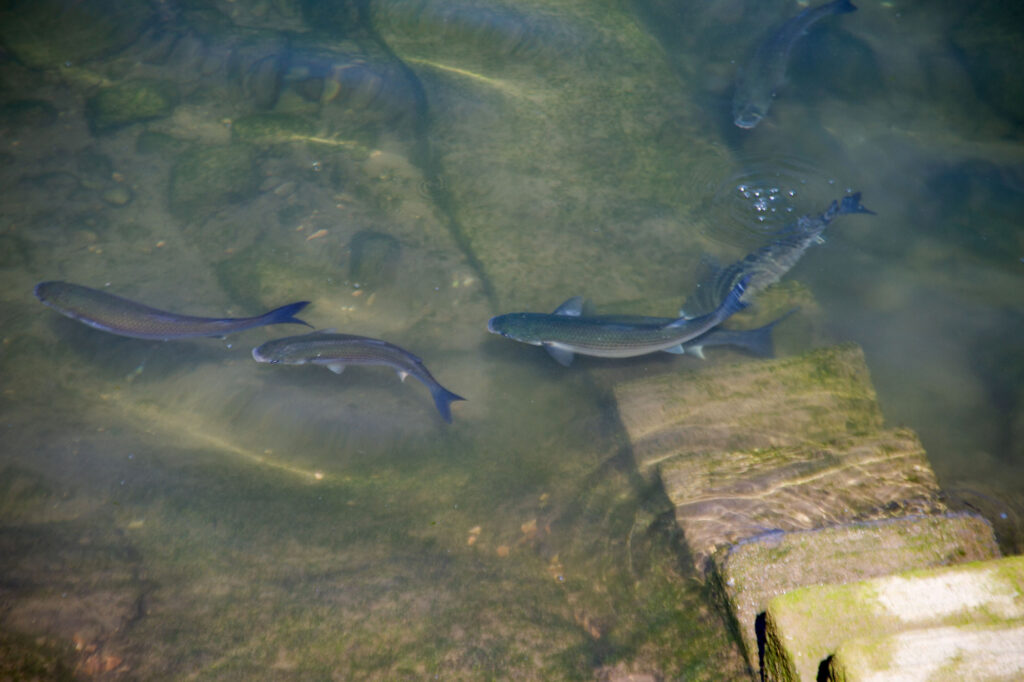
(117, 196)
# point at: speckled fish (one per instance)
(756, 82)
(117, 315)
(337, 351)
(566, 331)
(767, 265)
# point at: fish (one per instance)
(123, 317)
(567, 331)
(757, 81)
(757, 341)
(337, 351)
(770, 263)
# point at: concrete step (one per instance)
(803, 628)
(754, 572)
(806, 399)
(947, 654)
(722, 498)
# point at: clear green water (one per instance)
(174, 509)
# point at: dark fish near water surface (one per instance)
(566, 331)
(337, 351)
(767, 265)
(117, 315)
(756, 82)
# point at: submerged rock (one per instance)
(46, 34)
(206, 178)
(130, 102)
(272, 128)
(989, 40)
(373, 260)
(28, 112)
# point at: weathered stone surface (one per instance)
(807, 399)
(567, 157)
(752, 573)
(950, 654)
(724, 497)
(805, 626)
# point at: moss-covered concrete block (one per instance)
(811, 398)
(949, 654)
(724, 497)
(131, 102)
(806, 626)
(754, 572)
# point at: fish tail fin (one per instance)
(444, 398)
(851, 204)
(760, 341)
(285, 315)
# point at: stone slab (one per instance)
(806, 626)
(724, 497)
(948, 654)
(754, 572)
(807, 399)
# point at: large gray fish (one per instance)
(337, 351)
(767, 265)
(117, 315)
(756, 82)
(566, 331)
(757, 341)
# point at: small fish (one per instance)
(756, 82)
(117, 315)
(767, 265)
(566, 331)
(337, 351)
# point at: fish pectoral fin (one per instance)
(572, 307)
(562, 356)
(402, 375)
(676, 349)
(336, 367)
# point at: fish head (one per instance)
(259, 355)
(278, 352)
(748, 116)
(515, 326)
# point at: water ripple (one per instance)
(765, 195)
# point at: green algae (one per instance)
(131, 102)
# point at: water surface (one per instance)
(412, 168)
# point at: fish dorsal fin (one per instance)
(329, 330)
(572, 307)
(562, 356)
